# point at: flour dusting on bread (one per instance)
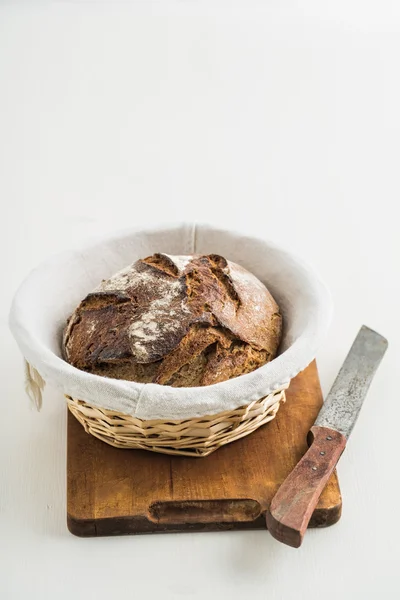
(122, 280)
(152, 322)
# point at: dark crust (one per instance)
(213, 321)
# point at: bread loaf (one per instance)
(175, 320)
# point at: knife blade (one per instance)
(293, 504)
(343, 403)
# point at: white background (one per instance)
(282, 118)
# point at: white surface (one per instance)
(49, 295)
(282, 118)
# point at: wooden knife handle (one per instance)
(293, 504)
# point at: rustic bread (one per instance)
(175, 320)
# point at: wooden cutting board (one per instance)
(115, 492)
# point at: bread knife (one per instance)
(293, 504)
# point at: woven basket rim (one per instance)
(189, 437)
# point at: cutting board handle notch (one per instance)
(204, 511)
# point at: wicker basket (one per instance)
(191, 437)
(165, 419)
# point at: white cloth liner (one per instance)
(51, 292)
